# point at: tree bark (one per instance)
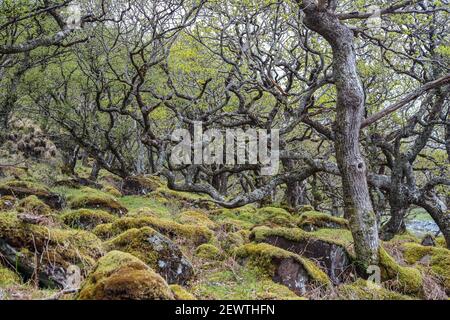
(349, 114)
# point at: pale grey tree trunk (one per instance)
(349, 113)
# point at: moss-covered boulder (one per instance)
(23, 189)
(287, 268)
(8, 277)
(437, 260)
(78, 182)
(95, 199)
(169, 228)
(122, 276)
(364, 290)
(7, 203)
(55, 250)
(140, 185)
(186, 200)
(209, 252)
(112, 191)
(196, 218)
(331, 255)
(157, 251)
(247, 217)
(181, 293)
(33, 205)
(245, 283)
(407, 280)
(87, 219)
(313, 220)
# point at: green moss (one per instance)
(339, 237)
(196, 234)
(136, 203)
(180, 293)
(33, 205)
(156, 250)
(196, 218)
(92, 198)
(439, 260)
(183, 199)
(232, 240)
(248, 217)
(121, 276)
(242, 284)
(8, 277)
(209, 252)
(7, 203)
(33, 187)
(313, 220)
(112, 191)
(87, 219)
(262, 256)
(63, 247)
(361, 290)
(406, 279)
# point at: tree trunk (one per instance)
(438, 211)
(349, 112)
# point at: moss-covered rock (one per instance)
(209, 252)
(404, 279)
(248, 217)
(33, 205)
(313, 220)
(157, 251)
(283, 266)
(140, 185)
(231, 240)
(184, 199)
(245, 283)
(7, 203)
(181, 293)
(171, 229)
(196, 218)
(112, 191)
(57, 249)
(22, 189)
(121, 276)
(437, 259)
(95, 199)
(8, 277)
(363, 290)
(330, 254)
(87, 219)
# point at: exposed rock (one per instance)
(330, 255)
(428, 241)
(157, 251)
(23, 189)
(287, 268)
(121, 276)
(140, 185)
(55, 250)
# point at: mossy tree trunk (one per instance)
(349, 114)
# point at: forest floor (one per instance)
(69, 238)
